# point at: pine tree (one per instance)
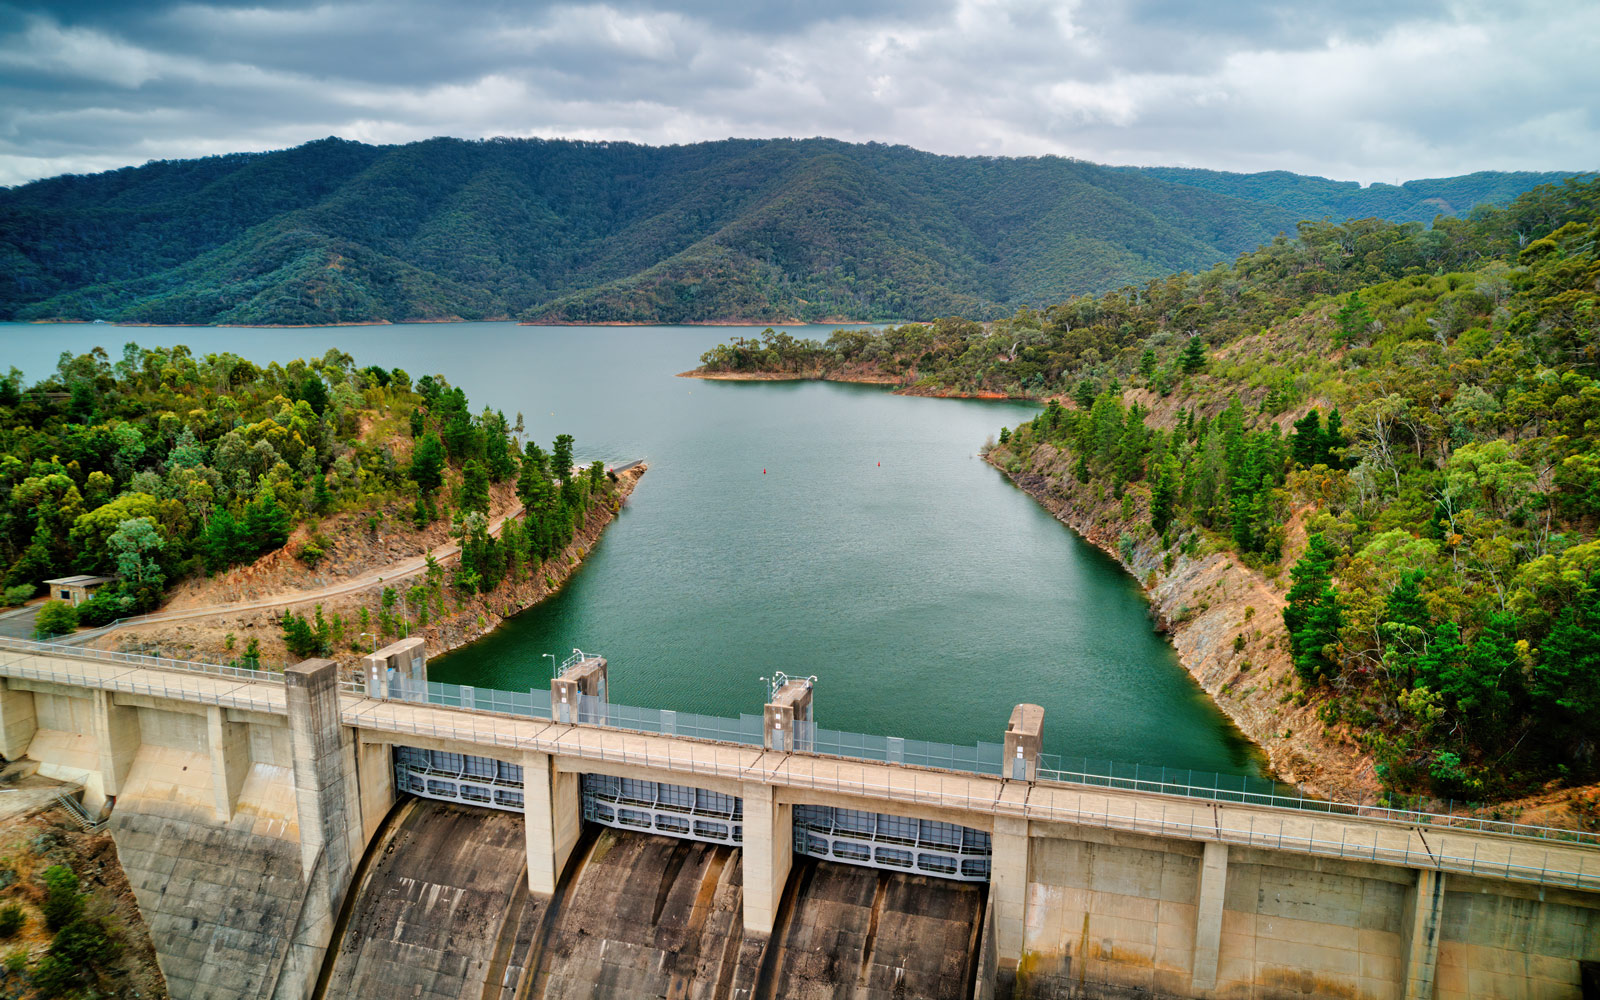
(1307, 445)
(321, 496)
(266, 525)
(1353, 320)
(1163, 495)
(427, 464)
(1193, 358)
(1333, 440)
(561, 457)
(1312, 616)
(474, 492)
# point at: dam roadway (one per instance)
(1087, 888)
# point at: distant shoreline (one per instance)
(903, 388)
(453, 319)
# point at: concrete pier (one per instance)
(768, 854)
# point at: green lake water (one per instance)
(813, 528)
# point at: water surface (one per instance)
(813, 528)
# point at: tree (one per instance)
(427, 464)
(55, 618)
(1307, 446)
(1312, 616)
(561, 457)
(266, 523)
(474, 492)
(133, 545)
(416, 422)
(321, 496)
(1147, 364)
(223, 542)
(314, 391)
(1353, 320)
(1163, 495)
(1193, 358)
(301, 637)
(497, 449)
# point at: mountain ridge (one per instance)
(560, 231)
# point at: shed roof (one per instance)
(81, 580)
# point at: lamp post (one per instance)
(552, 658)
(374, 638)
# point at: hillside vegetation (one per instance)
(164, 466)
(596, 232)
(1397, 427)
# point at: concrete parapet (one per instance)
(1023, 742)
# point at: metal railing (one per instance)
(174, 686)
(78, 814)
(1255, 791)
(137, 659)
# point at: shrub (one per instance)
(62, 903)
(11, 920)
(19, 594)
(17, 962)
(311, 552)
(55, 618)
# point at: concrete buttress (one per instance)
(1208, 916)
(18, 723)
(116, 732)
(229, 744)
(317, 740)
(554, 819)
(768, 854)
(1008, 888)
(1421, 934)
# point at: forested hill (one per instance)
(1318, 197)
(557, 231)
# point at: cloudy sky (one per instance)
(1356, 89)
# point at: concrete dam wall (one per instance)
(255, 815)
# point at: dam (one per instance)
(308, 834)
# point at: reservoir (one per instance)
(814, 528)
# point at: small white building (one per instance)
(76, 589)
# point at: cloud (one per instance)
(1360, 90)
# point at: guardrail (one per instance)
(175, 686)
(1399, 814)
(138, 659)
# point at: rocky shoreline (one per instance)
(1225, 622)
